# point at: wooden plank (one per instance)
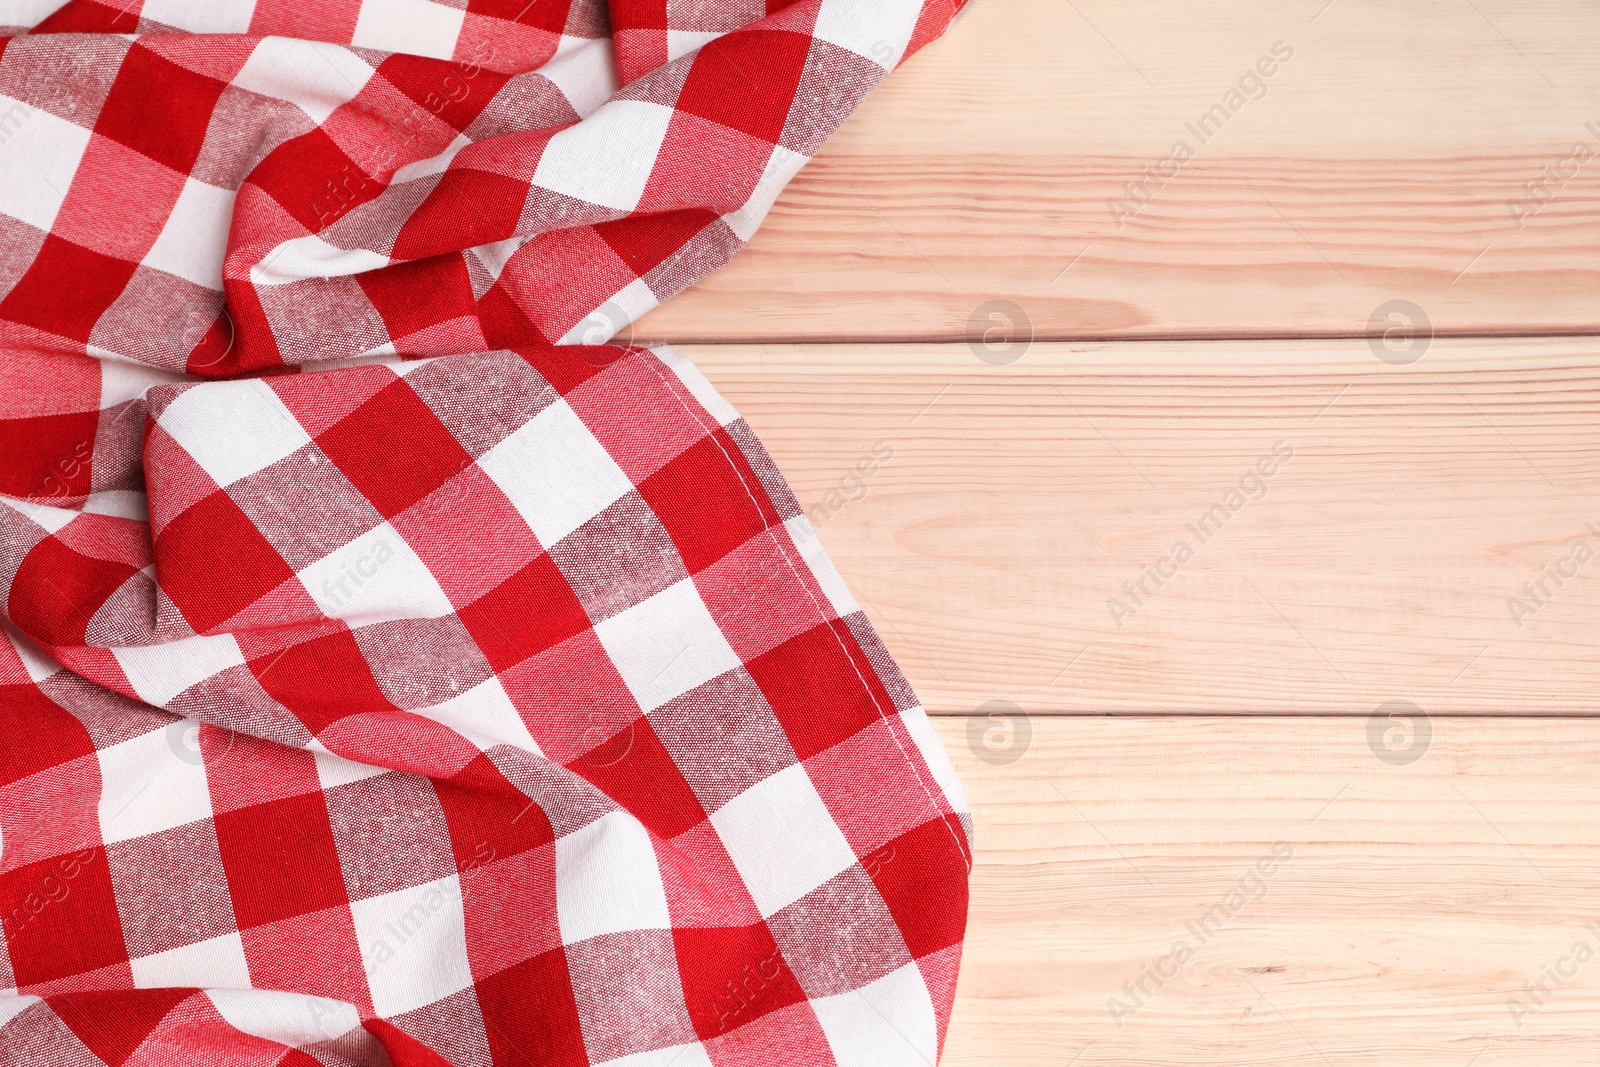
(1408, 904)
(1387, 158)
(987, 518)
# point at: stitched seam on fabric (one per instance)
(656, 365)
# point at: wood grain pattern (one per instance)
(1414, 902)
(1380, 563)
(1378, 162)
(987, 513)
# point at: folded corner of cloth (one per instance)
(393, 673)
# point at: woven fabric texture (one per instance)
(392, 674)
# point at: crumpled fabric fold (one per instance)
(392, 672)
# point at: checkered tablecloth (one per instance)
(391, 673)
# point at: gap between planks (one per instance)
(1417, 889)
(1422, 152)
(1380, 563)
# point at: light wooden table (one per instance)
(1344, 353)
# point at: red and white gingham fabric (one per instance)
(392, 674)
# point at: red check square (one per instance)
(281, 859)
(60, 917)
(215, 563)
(529, 612)
(818, 704)
(66, 289)
(57, 591)
(363, 446)
(150, 85)
(709, 500)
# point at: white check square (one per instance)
(698, 384)
(584, 69)
(287, 1018)
(608, 880)
(39, 154)
(215, 964)
(606, 159)
(121, 382)
(414, 945)
(52, 519)
(314, 76)
(233, 429)
(879, 31)
(195, 236)
(605, 321)
(889, 1023)
(681, 42)
(827, 575)
(555, 473)
(375, 578)
(416, 27)
(213, 16)
(485, 716)
(666, 645)
(782, 839)
(782, 165)
(931, 749)
(312, 257)
(151, 783)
